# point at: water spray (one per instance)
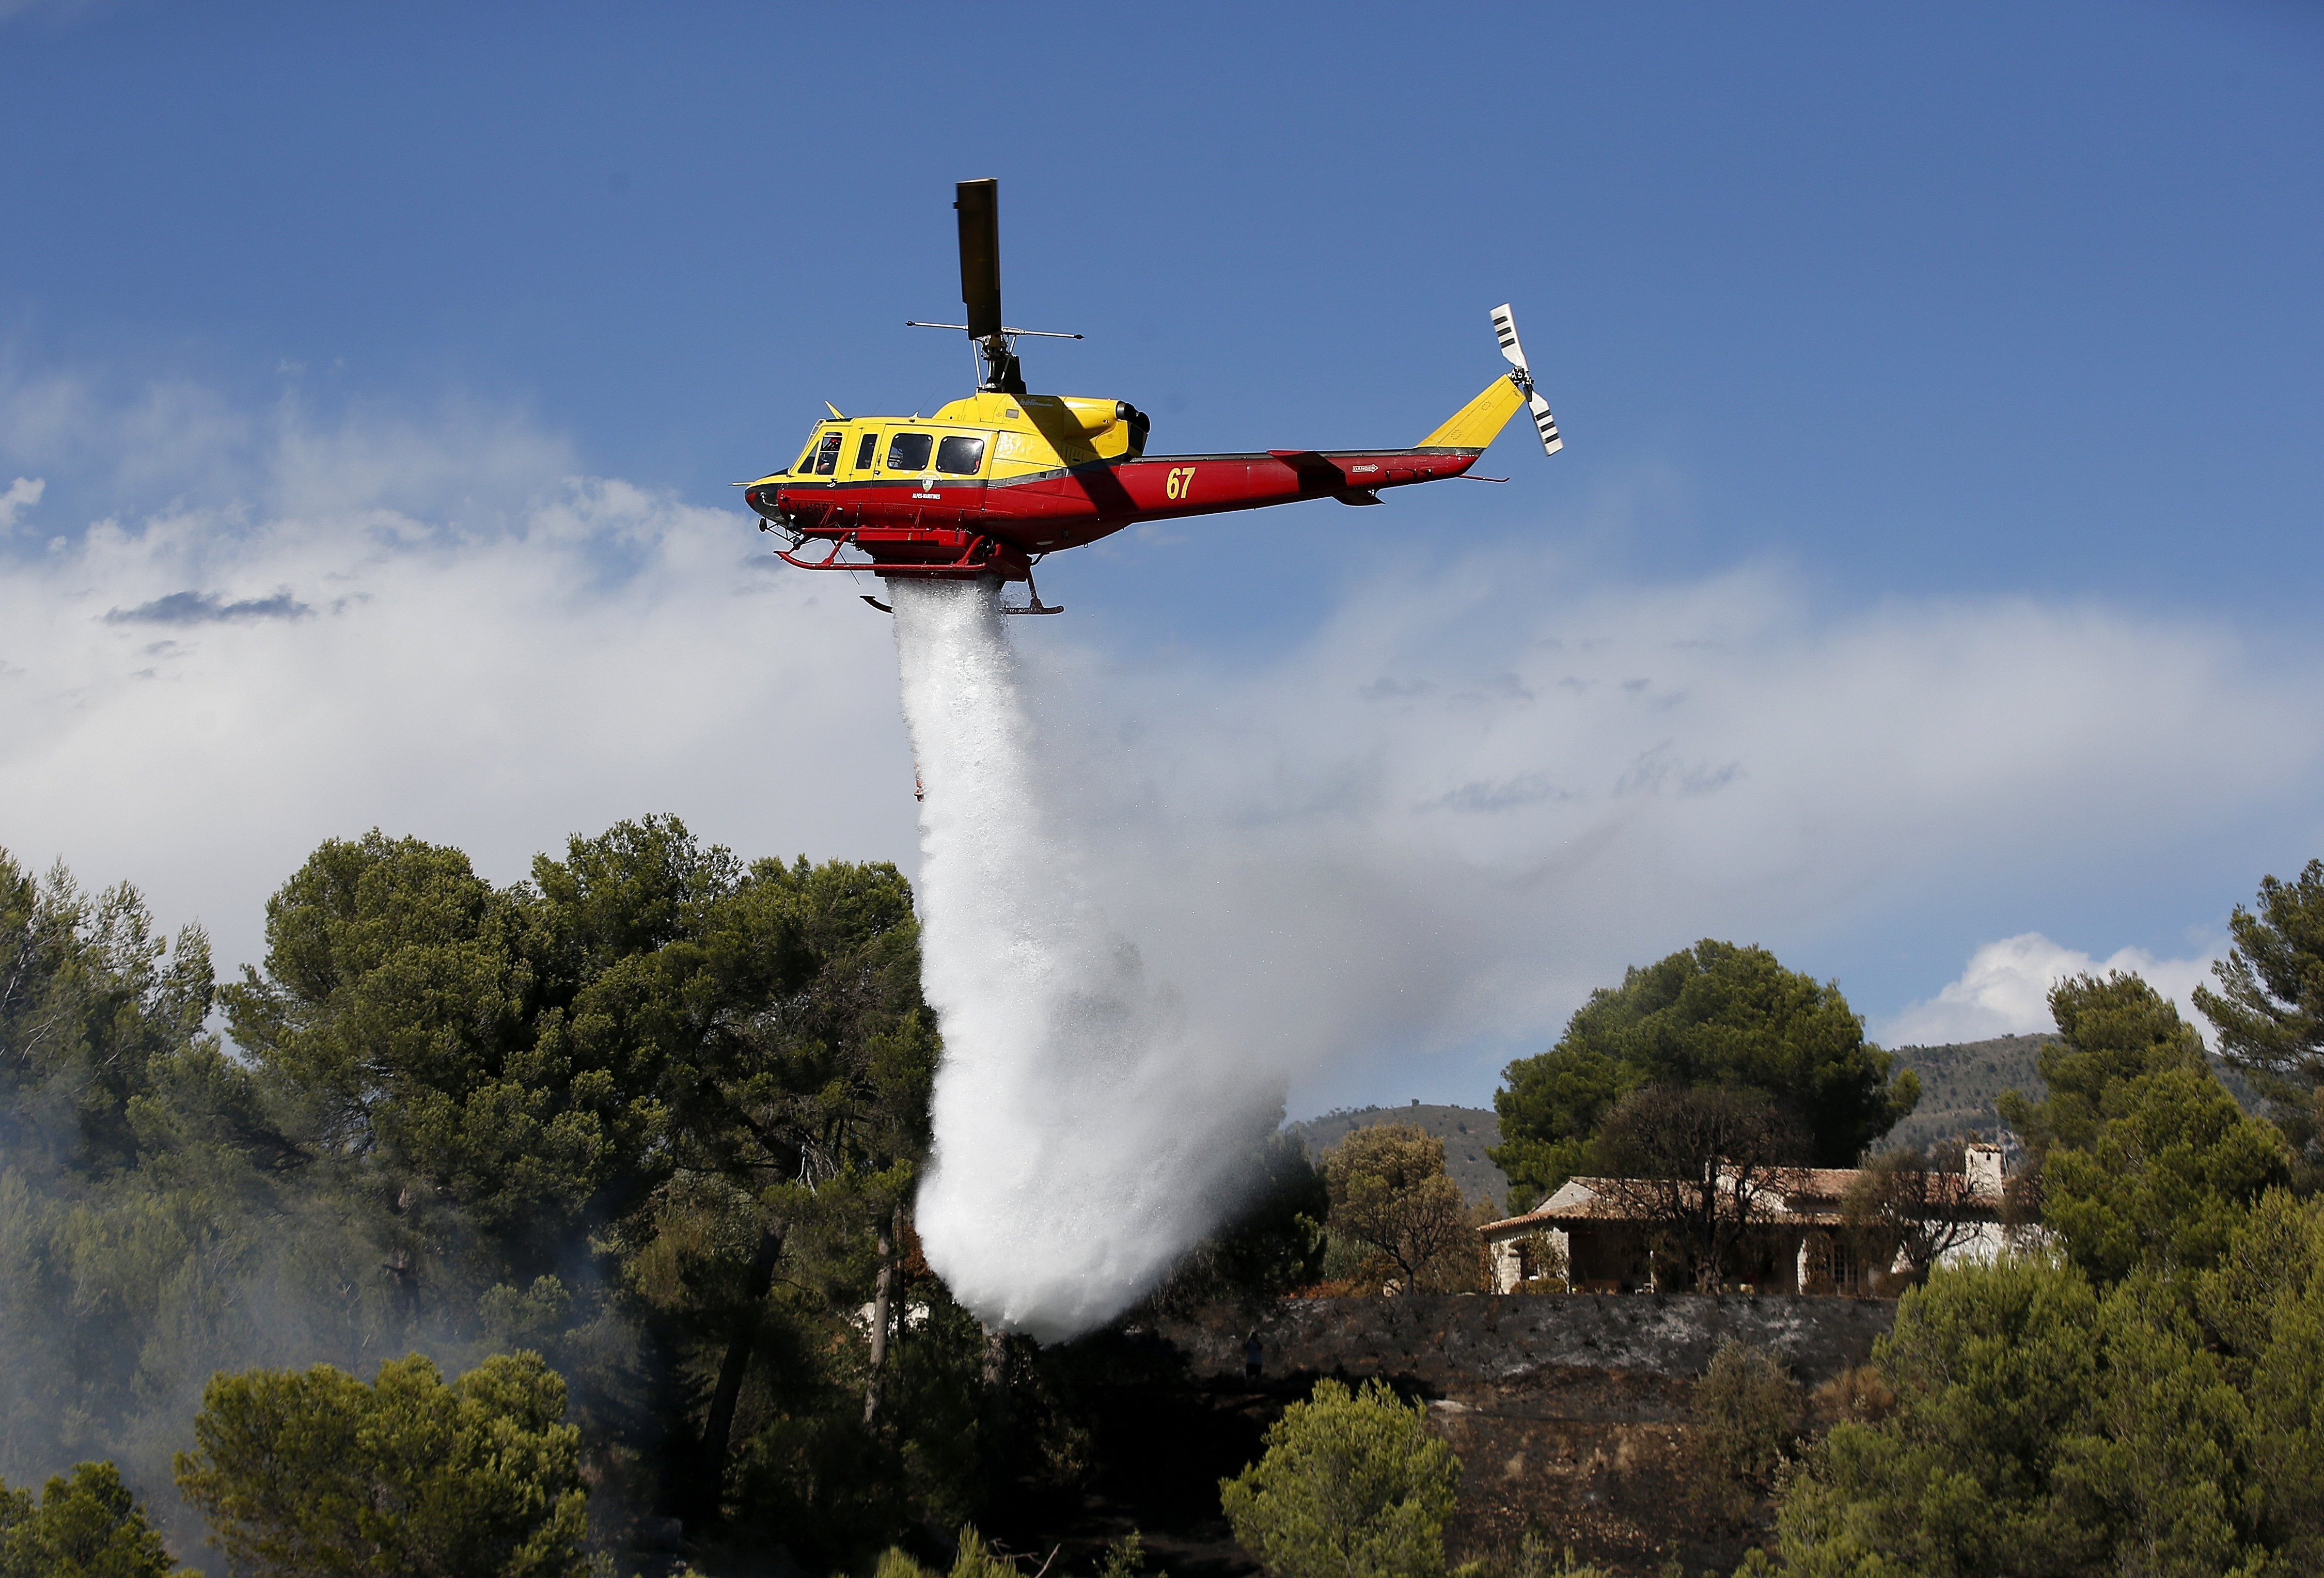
(1081, 1144)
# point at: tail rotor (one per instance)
(1505, 328)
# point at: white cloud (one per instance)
(1475, 795)
(21, 496)
(2005, 990)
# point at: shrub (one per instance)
(1351, 1485)
(1744, 1404)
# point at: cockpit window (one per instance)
(863, 451)
(826, 459)
(960, 457)
(908, 452)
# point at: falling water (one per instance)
(1081, 1145)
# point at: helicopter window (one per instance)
(826, 459)
(863, 451)
(909, 452)
(960, 457)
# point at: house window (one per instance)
(909, 451)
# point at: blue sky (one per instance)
(1862, 321)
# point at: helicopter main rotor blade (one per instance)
(979, 202)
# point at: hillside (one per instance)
(1959, 1083)
(1466, 1131)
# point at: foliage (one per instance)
(975, 1558)
(1391, 1194)
(1990, 1367)
(302, 1473)
(1715, 1015)
(2109, 1032)
(1746, 1410)
(84, 1525)
(2164, 1180)
(2038, 1426)
(2269, 1009)
(1351, 1485)
(93, 1008)
(1532, 1556)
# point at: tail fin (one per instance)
(1475, 424)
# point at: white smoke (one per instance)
(1086, 1134)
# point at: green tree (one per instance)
(2166, 1179)
(1391, 1196)
(314, 1473)
(398, 1017)
(2261, 1309)
(2109, 1032)
(2038, 1429)
(1351, 1485)
(2140, 1156)
(1989, 1366)
(86, 1526)
(2269, 1009)
(92, 1004)
(1713, 1015)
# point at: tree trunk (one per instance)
(993, 1444)
(717, 1431)
(889, 1240)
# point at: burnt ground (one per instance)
(1595, 1461)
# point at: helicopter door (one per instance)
(908, 452)
(826, 454)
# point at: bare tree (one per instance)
(1915, 1205)
(1701, 1168)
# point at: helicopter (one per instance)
(994, 482)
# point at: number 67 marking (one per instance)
(1180, 482)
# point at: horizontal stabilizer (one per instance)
(1316, 472)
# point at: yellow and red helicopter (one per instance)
(990, 484)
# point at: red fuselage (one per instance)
(948, 527)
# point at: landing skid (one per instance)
(1033, 606)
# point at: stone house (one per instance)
(1608, 1236)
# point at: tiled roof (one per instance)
(1801, 1196)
